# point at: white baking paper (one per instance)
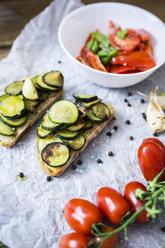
(31, 212)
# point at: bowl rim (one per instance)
(151, 70)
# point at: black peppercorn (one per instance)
(109, 134)
(74, 167)
(144, 116)
(129, 93)
(142, 101)
(110, 154)
(127, 122)
(99, 161)
(114, 118)
(130, 137)
(129, 105)
(21, 174)
(125, 100)
(115, 128)
(155, 134)
(59, 62)
(163, 229)
(79, 162)
(49, 179)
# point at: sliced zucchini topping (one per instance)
(88, 125)
(13, 122)
(41, 143)
(42, 96)
(2, 97)
(55, 154)
(6, 130)
(88, 104)
(92, 117)
(81, 109)
(76, 143)
(47, 124)
(54, 79)
(14, 88)
(29, 90)
(101, 111)
(64, 134)
(42, 133)
(85, 98)
(77, 126)
(43, 86)
(31, 105)
(12, 107)
(63, 112)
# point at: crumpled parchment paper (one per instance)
(31, 212)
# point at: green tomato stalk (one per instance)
(155, 193)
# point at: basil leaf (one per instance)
(90, 44)
(103, 53)
(106, 59)
(103, 39)
(95, 46)
(122, 34)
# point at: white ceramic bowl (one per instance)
(75, 28)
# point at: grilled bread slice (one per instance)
(9, 141)
(89, 135)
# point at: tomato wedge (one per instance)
(122, 69)
(144, 35)
(73, 240)
(81, 214)
(129, 194)
(151, 156)
(131, 41)
(138, 59)
(94, 61)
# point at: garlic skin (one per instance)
(161, 100)
(154, 114)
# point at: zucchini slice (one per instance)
(76, 143)
(29, 90)
(81, 109)
(42, 96)
(77, 126)
(14, 88)
(2, 97)
(88, 125)
(54, 79)
(101, 111)
(12, 107)
(85, 98)
(40, 83)
(162, 93)
(47, 124)
(92, 117)
(13, 122)
(89, 104)
(42, 133)
(64, 134)
(55, 154)
(31, 105)
(63, 112)
(41, 143)
(6, 130)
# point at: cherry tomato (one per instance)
(94, 61)
(144, 35)
(151, 156)
(81, 214)
(73, 240)
(129, 194)
(131, 41)
(138, 59)
(112, 204)
(111, 241)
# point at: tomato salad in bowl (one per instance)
(123, 51)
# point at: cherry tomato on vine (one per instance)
(112, 204)
(151, 156)
(129, 194)
(81, 214)
(111, 241)
(73, 240)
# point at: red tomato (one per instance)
(111, 241)
(138, 59)
(111, 29)
(151, 156)
(131, 41)
(112, 204)
(73, 240)
(122, 69)
(81, 214)
(129, 194)
(144, 35)
(94, 61)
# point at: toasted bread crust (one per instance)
(9, 141)
(90, 135)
